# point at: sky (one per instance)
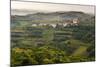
(50, 7)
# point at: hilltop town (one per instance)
(63, 24)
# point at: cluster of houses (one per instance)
(64, 23)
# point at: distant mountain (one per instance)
(25, 12)
(22, 12)
(54, 17)
(51, 16)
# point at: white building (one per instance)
(65, 24)
(75, 21)
(34, 25)
(53, 25)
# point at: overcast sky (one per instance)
(48, 7)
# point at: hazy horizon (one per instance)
(23, 8)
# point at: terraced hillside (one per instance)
(45, 44)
